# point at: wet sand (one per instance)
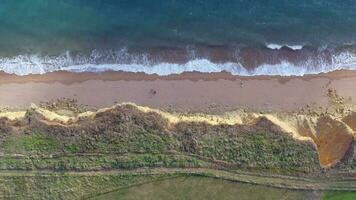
(189, 91)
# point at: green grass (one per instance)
(134, 186)
(31, 144)
(203, 188)
(257, 149)
(125, 142)
(66, 186)
(260, 150)
(339, 195)
(99, 162)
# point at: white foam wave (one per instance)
(278, 46)
(197, 65)
(202, 65)
(34, 64)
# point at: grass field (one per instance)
(339, 195)
(161, 183)
(201, 188)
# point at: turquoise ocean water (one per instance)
(244, 37)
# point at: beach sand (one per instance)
(188, 92)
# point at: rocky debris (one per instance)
(64, 106)
(338, 103)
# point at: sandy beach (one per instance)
(189, 91)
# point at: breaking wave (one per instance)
(123, 61)
(278, 46)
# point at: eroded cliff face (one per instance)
(332, 137)
(292, 142)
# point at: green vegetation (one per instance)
(257, 150)
(99, 162)
(30, 144)
(131, 132)
(203, 188)
(67, 186)
(340, 195)
(48, 160)
(260, 150)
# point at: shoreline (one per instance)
(196, 92)
(66, 77)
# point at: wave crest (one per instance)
(122, 61)
(278, 46)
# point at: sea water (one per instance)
(244, 37)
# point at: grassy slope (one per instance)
(126, 131)
(126, 139)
